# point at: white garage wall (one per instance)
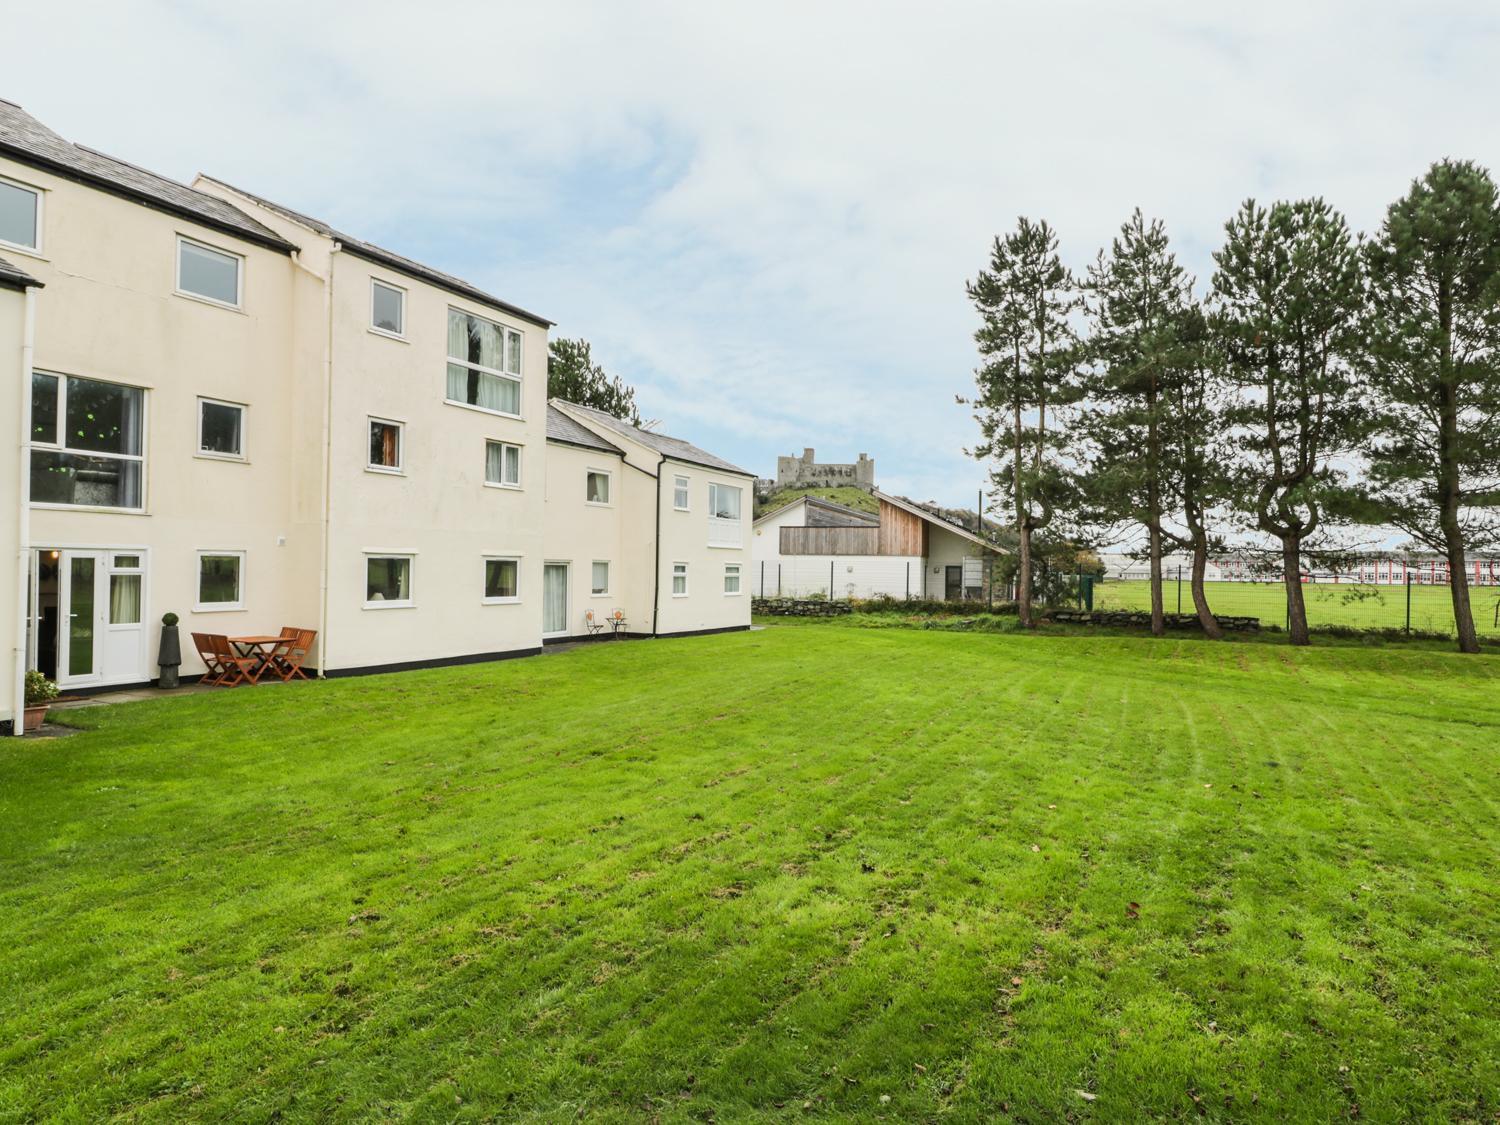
(853, 576)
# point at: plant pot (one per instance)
(35, 716)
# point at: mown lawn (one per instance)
(812, 870)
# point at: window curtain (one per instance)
(601, 578)
(494, 459)
(512, 465)
(500, 394)
(598, 488)
(125, 599)
(555, 599)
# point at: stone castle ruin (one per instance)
(805, 472)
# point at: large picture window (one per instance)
(86, 442)
(484, 364)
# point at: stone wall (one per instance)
(805, 472)
(799, 607)
(1139, 619)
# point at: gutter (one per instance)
(23, 517)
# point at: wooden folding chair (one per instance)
(213, 673)
(286, 659)
(238, 668)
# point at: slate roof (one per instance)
(24, 138)
(381, 256)
(564, 429)
(675, 448)
(14, 277)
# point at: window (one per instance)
(679, 580)
(125, 590)
(484, 364)
(731, 578)
(597, 490)
(680, 493)
(221, 429)
(601, 578)
(502, 464)
(86, 442)
(220, 580)
(385, 446)
(724, 516)
(387, 308)
(501, 581)
(211, 274)
(20, 215)
(387, 581)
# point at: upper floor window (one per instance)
(484, 364)
(723, 515)
(387, 308)
(221, 429)
(20, 215)
(680, 493)
(597, 487)
(213, 275)
(385, 446)
(87, 438)
(502, 464)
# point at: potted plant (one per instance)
(40, 692)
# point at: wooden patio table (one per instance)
(261, 647)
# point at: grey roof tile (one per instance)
(14, 277)
(24, 138)
(390, 258)
(675, 448)
(564, 429)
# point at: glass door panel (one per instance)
(80, 620)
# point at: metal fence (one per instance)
(1419, 604)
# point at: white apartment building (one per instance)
(218, 407)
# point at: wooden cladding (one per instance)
(830, 540)
(900, 532)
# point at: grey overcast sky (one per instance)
(763, 215)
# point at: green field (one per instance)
(1328, 604)
(812, 871)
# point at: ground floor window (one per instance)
(387, 581)
(601, 577)
(501, 581)
(732, 578)
(221, 580)
(679, 580)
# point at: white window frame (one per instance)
(720, 528)
(483, 574)
(520, 457)
(62, 447)
(200, 606)
(397, 289)
(516, 377)
(411, 579)
(244, 409)
(609, 579)
(739, 580)
(239, 274)
(685, 587)
(609, 487)
(684, 486)
(386, 470)
(40, 193)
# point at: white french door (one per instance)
(88, 616)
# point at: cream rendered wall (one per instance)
(12, 334)
(109, 311)
(578, 533)
(439, 508)
(684, 538)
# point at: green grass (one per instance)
(939, 875)
(1342, 605)
(856, 498)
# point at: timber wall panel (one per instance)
(901, 533)
(829, 540)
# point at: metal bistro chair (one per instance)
(616, 622)
(595, 626)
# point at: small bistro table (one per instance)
(259, 646)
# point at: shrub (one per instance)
(169, 619)
(39, 689)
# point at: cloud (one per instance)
(763, 215)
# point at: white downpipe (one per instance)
(23, 518)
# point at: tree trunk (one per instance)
(1458, 586)
(1296, 611)
(1206, 619)
(1158, 614)
(1023, 578)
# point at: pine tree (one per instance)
(1024, 301)
(1434, 370)
(572, 375)
(1288, 297)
